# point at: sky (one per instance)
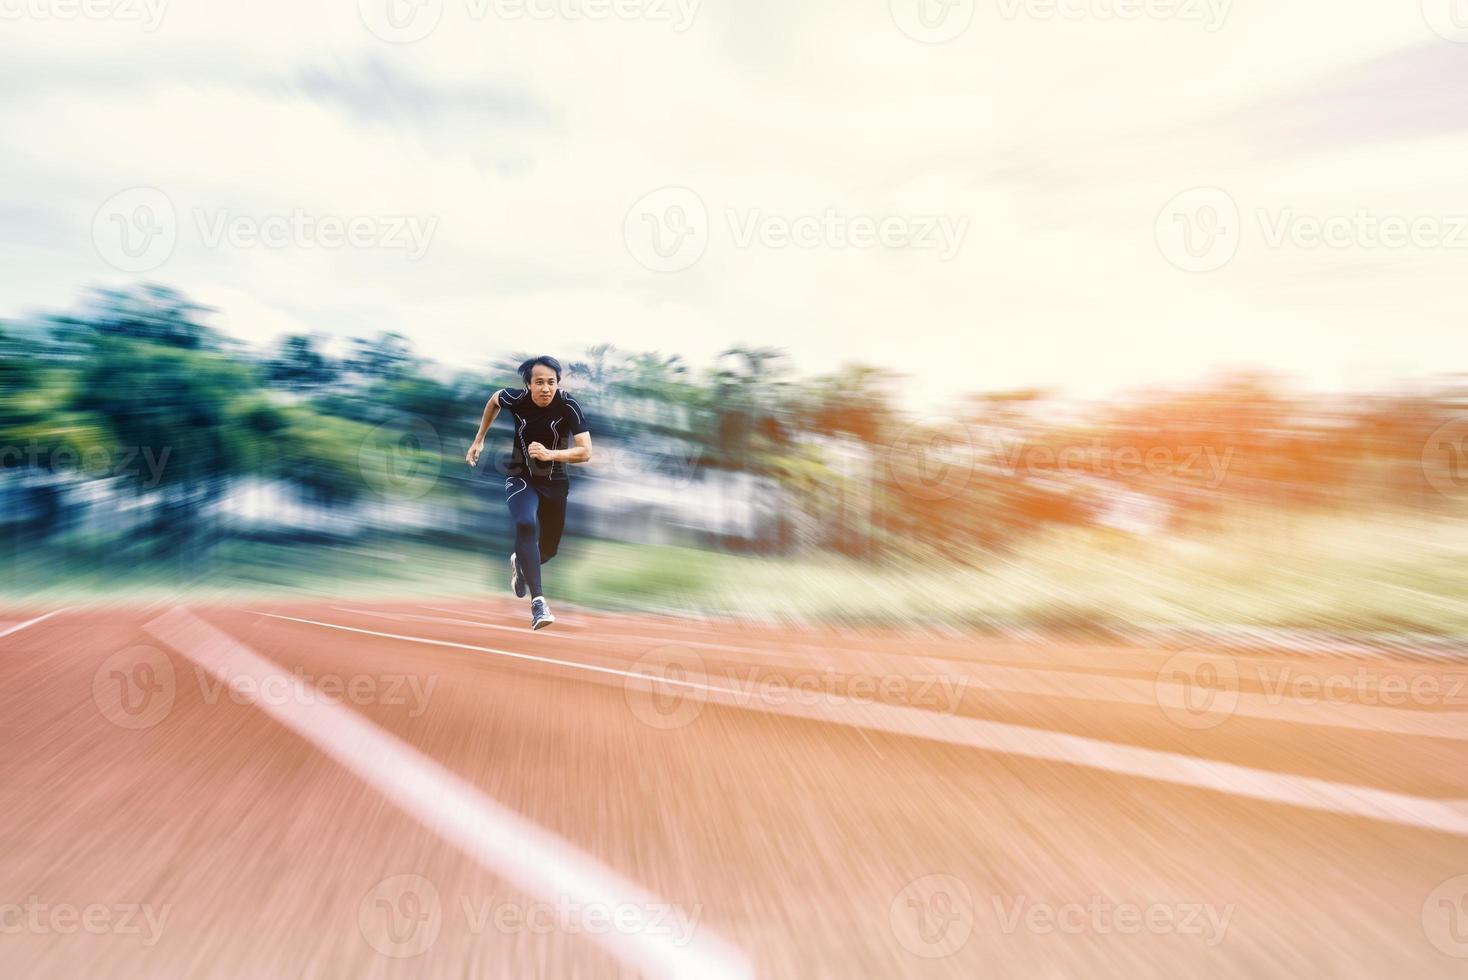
(1085, 195)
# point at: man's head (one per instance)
(542, 376)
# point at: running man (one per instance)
(536, 481)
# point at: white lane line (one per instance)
(499, 839)
(1078, 684)
(876, 661)
(586, 638)
(444, 619)
(1307, 792)
(31, 622)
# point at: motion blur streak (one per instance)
(499, 839)
(1033, 743)
(30, 622)
(825, 834)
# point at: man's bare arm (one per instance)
(579, 453)
(491, 409)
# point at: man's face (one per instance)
(542, 385)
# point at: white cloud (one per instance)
(526, 142)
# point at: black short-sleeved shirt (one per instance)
(552, 427)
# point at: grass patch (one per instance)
(1393, 573)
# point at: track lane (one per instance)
(796, 836)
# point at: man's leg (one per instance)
(551, 511)
(552, 523)
(523, 501)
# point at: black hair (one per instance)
(545, 359)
